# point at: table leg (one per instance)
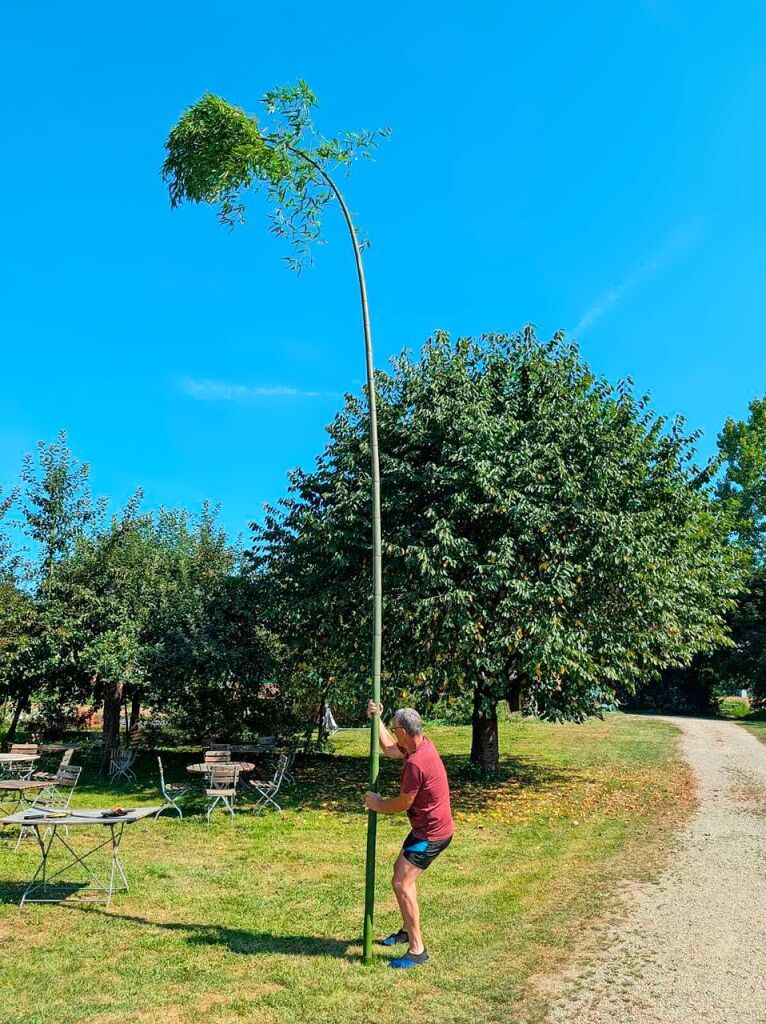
(117, 831)
(42, 867)
(43, 881)
(9, 805)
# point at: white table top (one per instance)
(5, 758)
(86, 816)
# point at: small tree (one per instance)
(547, 535)
(216, 154)
(53, 510)
(57, 506)
(103, 598)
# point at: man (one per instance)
(424, 795)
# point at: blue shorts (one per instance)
(421, 852)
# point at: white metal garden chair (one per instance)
(56, 797)
(171, 792)
(222, 787)
(268, 790)
(121, 764)
(21, 769)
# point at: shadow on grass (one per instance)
(340, 783)
(330, 782)
(11, 892)
(237, 940)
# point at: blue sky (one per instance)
(596, 167)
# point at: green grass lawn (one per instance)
(259, 919)
(758, 728)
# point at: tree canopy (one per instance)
(548, 536)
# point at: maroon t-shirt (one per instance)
(424, 773)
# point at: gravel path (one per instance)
(692, 947)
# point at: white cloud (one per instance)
(681, 240)
(221, 391)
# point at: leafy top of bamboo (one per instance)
(217, 153)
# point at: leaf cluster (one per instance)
(217, 154)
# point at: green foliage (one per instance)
(57, 506)
(209, 657)
(742, 492)
(452, 709)
(56, 719)
(693, 690)
(217, 153)
(152, 608)
(542, 530)
(743, 666)
(157, 604)
(734, 707)
(8, 562)
(53, 510)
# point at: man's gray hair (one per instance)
(409, 720)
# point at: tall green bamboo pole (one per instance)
(377, 564)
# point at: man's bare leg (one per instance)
(405, 889)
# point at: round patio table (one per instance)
(12, 758)
(201, 769)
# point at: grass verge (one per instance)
(259, 919)
(757, 727)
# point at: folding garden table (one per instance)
(51, 828)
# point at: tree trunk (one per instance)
(112, 711)
(320, 723)
(135, 711)
(484, 742)
(513, 693)
(10, 736)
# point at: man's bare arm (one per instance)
(396, 804)
(388, 744)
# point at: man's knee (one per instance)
(402, 882)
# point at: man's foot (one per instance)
(396, 938)
(409, 959)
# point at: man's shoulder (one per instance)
(427, 751)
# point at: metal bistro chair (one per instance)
(268, 790)
(22, 769)
(265, 750)
(222, 787)
(171, 791)
(56, 797)
(291, 753)
(121, 764)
